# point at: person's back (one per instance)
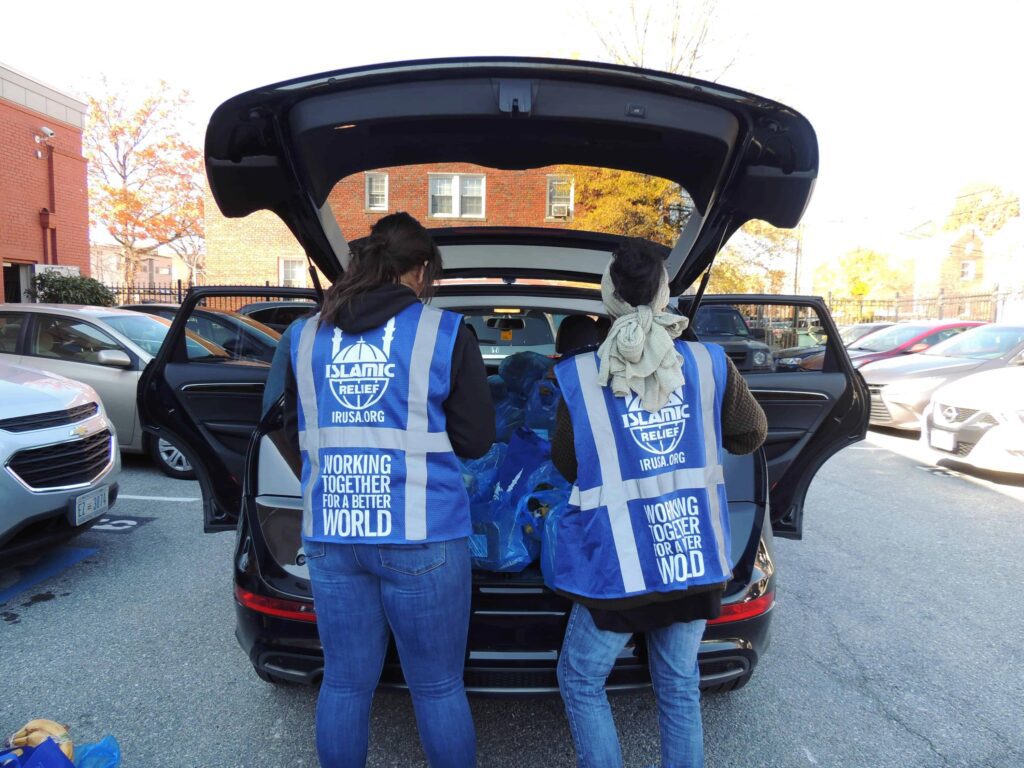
(643, 544)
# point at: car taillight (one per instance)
(275, 606)
(745, 610)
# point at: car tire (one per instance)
(269, 678)
(170, 460)
(732, 685)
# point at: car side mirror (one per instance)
(114, 358)
(919, 347)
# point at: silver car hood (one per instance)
(26, 391)
(917, 367)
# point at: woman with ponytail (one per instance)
(640, 433)
(381, 394)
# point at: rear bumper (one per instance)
(290, 650)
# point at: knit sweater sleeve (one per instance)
(563, 444)
(744, 425)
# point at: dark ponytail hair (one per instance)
(396, 244)
(636, 270)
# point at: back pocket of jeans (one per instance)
(412, 559)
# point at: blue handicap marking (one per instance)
(26, 575)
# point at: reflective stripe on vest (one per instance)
(416, 441)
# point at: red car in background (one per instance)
(899, 339)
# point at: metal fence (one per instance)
(140, 293)
(987, 307)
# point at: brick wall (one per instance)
(24, 189)
(248, 251)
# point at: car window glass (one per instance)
(888, 338)
(69, 339)
(240, 337)
(765, 338)
(986, 342)
(500, 335)
(148, 331)
(10, 327)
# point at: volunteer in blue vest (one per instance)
(644, 543)
(384, 392)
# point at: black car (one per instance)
(277, 314)
(284, 147)
(724, 325)
(239, 335)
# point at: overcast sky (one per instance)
(910, 99)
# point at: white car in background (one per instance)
(979, 420)
(106, 348)
(58, 455)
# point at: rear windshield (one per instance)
(986, 343)
(889, 338)
(712, 321)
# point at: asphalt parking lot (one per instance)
(896, 640)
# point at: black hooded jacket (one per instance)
(469, 411)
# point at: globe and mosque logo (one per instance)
(660, 432)
(359, 373)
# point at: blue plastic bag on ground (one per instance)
(46, 755)
(499, 542)
(106, 753)
(508, 417)
(542, 406)
(521, 371)
(526, 452)
(480, 475)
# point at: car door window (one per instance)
(765, 338)
(945, 333)
(68, 339)
(10, 328)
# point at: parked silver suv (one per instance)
(59, 457)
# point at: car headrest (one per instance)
(576, 332)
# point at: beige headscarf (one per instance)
(639, 355)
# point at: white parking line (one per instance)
(155, 498)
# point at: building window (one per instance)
(968, 270)
(560, 197)
(376, 191)
(293, 273)
(454, 196)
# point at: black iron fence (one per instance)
(153, 293)
(987, 307)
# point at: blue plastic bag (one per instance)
(521, 371)
(46, 755)
(499, 541)
(536, 507)
(481, 475)
(508, 417)
(546, 478)
(106, 753)
(526, 452)
(542, 406)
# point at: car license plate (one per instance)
(944, 441)
(90, 505)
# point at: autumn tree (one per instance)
(865, 273)
(675, 37)
(984, 209)
(144, 176)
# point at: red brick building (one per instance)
(44, 207)
(260, 249)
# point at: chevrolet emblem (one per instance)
(80, 431)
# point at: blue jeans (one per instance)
(420, 591)
(587, 657)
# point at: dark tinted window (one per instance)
(10, 327)
(536, 331)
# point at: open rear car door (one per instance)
(789, 350)
(210, 404)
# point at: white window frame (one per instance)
(457, 196)
(302, 271)
(366, 192)
(547, 196)
(971, 270)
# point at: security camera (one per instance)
(48, 132)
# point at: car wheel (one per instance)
(170, 460)
(269, 678)
(732, 685)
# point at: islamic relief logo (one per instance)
(659, 432)
(359, 373)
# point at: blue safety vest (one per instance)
(377, 465)
(648, 511)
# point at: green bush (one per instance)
(55, 288)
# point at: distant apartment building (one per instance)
(157, 269)
(260, 249)
(44, 208)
